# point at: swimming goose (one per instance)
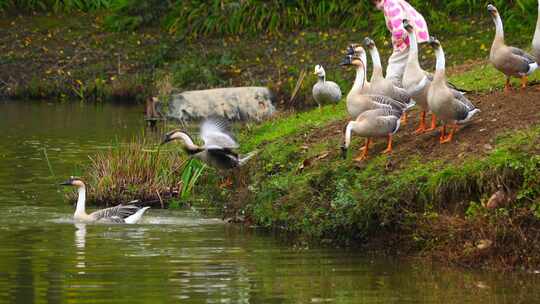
(509, 60)
(381, 85)
(536, 39)
(361, 99)
(218, 147)
(416, 81)
(325, 91)
(451, 106)
(127, 214)
(370, 124)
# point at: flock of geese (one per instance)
(377, 107)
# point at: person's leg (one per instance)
(396, 66)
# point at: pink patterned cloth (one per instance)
(397, 10)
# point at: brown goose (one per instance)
(361, 99)
(511, 61)
(370, 124)
(451, 106)
(383, 86)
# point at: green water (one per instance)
(178, 256)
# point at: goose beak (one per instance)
(407, 25)
(433, 42)
(66, 183)
(368, 42)
(492, 9)
(346, 61)
(166, 139)
(343, 152)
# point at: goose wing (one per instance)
(334, 90)
(224, 159)
(382, 120)
(463, 99)
(521, 53)
(120, 211)
(214, 133)
(386, 102)
(401, 95)
(415, 90)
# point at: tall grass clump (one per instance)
(55, 5)
(139, 170)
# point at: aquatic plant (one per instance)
(140, 170)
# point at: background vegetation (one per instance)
(203, 17)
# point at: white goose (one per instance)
(416, 81)
(536, 38)
(451, 106)
(127, 214)
(325, 91)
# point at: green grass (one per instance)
(484, 78)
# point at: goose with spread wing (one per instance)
(511, 61)
(122, 214)
(218, 148)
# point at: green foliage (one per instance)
(131, 14)
(55, 5)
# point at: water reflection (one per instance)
(80, 245)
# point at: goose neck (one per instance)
(81, 201)
(499, 29)
(440, 66)
(377, 65)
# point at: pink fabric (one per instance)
(397, 10)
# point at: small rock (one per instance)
(488, 147)
(499, 199)
(484, 244)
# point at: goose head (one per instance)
(173, 135)
(408, 26)
(369, 43)
(74, 181)
(492, 10)
(319, 71)
(434, 43)
(355, 48)
(352, 60)
(189, 145)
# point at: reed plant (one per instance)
(139, 170)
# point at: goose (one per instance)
(218, 148)
(325, 91)
(126, 214)
(370, 124)
(383, 86)
(416, 81)
(511, 61)
(360, 98)
(536, 38)
(451, 106)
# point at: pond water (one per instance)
(178, 256)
